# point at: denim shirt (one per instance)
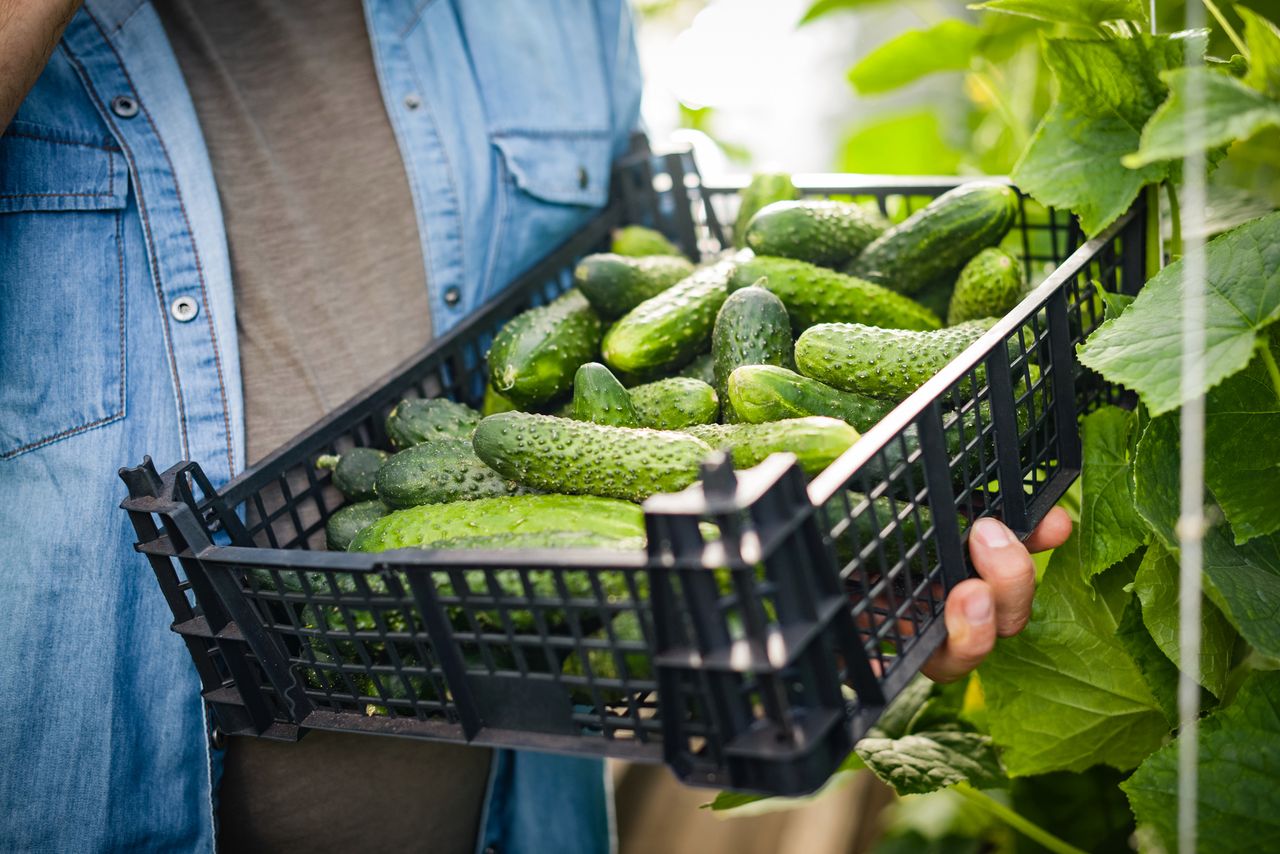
(507, 116)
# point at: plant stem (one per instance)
(1175, 221)
(1270, 361)
(1226, 26)
(1016, 821)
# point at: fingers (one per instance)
(1004, 563)
(1052, 531)
(970, 615)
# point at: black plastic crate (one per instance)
(750, 660)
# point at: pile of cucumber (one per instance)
(823, 321)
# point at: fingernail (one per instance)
(977, 607)
(992, 533)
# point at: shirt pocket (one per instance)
(62, 321)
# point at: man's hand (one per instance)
(29, 31)
(998, 603)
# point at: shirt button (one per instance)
(184, 309)
(412, 101)
(583, 177)
(124, 106)
(452, 296)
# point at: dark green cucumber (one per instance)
(701, 368)
(884, 363)
(814, 294)
(936, 241)
(638, 241)
(615, 284)
(675, 403)
(494, 402)
(936, 296)
(765, 189)
(347, 522)
(534, 356)
(419, 527)
(990, 285)
(438, 472)
(763, 393)
(672, 327)
(752, 328)
(815, 441)
(598, 397)
(416, 420)
(826, 233)
(574, 457)
(354, 471)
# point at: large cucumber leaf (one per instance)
(1082, 13)
(1110, 527)
(947, 46)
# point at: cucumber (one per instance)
(415, 420)
(884, 363)
(763, 393)
(437, 472)
(826, 233)
(418, 527)
(521, 540)
(559, 455)
(765, 189)
(989, 286)
(533, 357)
(814, 294)
(494, 402)
(672, 327)
(701, 368)
(598, 397)
(871, 523)
(354, 471)
(674, 403)
(936, 241)
(637, 241)
(347, 522)
(815, 440)
(752, 328)
(615, 284)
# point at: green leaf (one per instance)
(822, 8)
(1157, 496)
(1087, 13)
(1230, 111)
(1114, 304)
(1142, 349)
(1242, 451)
(1064, 694)
(928, 761)
(1157, 587)
(1110, 527)
(1263, 40)
(1158, 672)
(1244, 582)
(948, 46)
(899, 144)
(1087, 810)
(1237, 800)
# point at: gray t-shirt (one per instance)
(330, 293)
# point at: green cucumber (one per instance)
(438, 472)
(814, 294)
(638, 241)
(672, 327)
(701, 368)
(763, 393)
(990, 285)
(598, 397)
(533, 357)
(936, 241)
(615, 284)
(815, 440)
(675, 403)
(765, 189)
(347, 522)
(354, 471)
(884, 363)
(752, 328)
(419, 527)
(574, 457)
(878, 521)
(826, 233)
(415, 420)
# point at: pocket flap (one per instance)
(566, 168)
(41, 172)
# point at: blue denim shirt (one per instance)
(507, 117)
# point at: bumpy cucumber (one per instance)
(672, 327)
(533, 357)
(884, 363)
(701, 368)
(559, 455)
(940, 238)
(418, 527)
(815, 441)
(814, 294)
(765, 189)
(989, 286)
(826, 233)
(598, 397)
(347, 522)
(637, 241)
(675, 403)
(763, 393)
(752, 328)
(354, 471)
(437, 472)
(615, 284)
(415, 420)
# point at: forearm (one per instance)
(29, 30)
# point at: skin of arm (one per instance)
(29, 31)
